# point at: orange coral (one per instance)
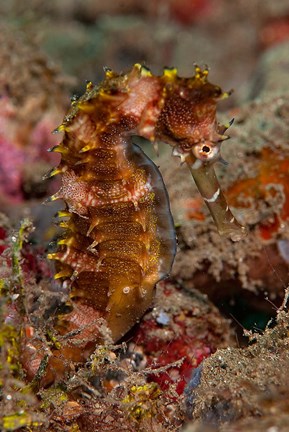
(272, 169)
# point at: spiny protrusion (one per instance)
(177, 153)
(143, 70)
(92, 225)
(83, 161)
(89, 85)
(91, 247)
(64, 224)
(63, 274)
(223, 138)
(108, 72)
(87, 148)
(225, 95)
(66, 241)
(57, 149)
(170, 73)
(63, 213)
(231, 122)
(86, 107)
(201, 74)
(74, 98)
(52, 198)
(53, 172)
(107, 96)
(53, 256)
(222, 128)
(60, 128)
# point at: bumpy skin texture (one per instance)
(119, 238)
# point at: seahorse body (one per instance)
(119, 238)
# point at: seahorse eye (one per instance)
(206, 151)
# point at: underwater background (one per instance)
(212, 352)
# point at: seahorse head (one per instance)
(188, 116)
(182, 113)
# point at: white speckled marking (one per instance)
(214, 197)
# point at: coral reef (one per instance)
(238, 386)
(32, 101)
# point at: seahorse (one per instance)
(119, 238)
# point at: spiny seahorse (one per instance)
(119, 237)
